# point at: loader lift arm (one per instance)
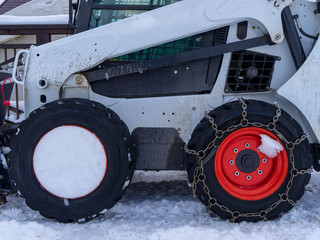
(176, 59)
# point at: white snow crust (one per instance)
(13, 114)
(44, 5)
(33, 20)
(269, 146)
(69, 162)
(3, 161)
(156, 209)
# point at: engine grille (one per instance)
(250, 72)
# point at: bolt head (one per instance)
(277, 37)
(78, 79)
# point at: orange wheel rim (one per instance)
(244, 171)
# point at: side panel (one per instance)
(158, 148)
(303, 89)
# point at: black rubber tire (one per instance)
(105, 124)
(230, 114)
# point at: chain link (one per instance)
(199, 175)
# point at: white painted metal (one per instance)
(303, 89)
(58, 62)
(15, 67)
(307, 20)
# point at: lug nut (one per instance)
(248, 177)
(231, 162)
(247, 145)
(259, 172)
(264, 160)
(235, 150)
(236, 173)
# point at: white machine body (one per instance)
(53, 69)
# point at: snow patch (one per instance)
(12, 114)
(269, 146)
(3, 161)
(163, 211)
(70, 162)
(33, 20)
(126, 184)
(5, 150)
(66, 202)
(44, 5)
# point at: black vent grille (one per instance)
(221, 35)
(250, 72)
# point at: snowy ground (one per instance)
(162, 210)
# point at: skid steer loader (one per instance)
(227, 90)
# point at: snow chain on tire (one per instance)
(199, 175)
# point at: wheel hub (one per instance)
(247, 161)
(243, 170)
